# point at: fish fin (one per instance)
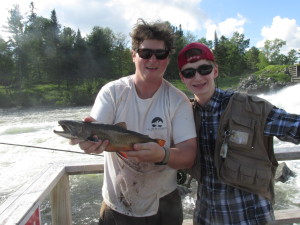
(122, 124)
(122, 154)
(161, 142)
(93, 139)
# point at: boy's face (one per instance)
(203, 86)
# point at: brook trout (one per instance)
(120, 139)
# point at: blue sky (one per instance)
(258, 20)
(258, 14)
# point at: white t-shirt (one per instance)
(130, 187)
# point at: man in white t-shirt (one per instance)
(142, 188)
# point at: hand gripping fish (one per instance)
(120, 139)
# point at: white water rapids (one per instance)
(34, 126)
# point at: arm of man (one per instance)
(182, 155)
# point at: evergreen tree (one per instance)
(100, 44)
(16, 39)
(252, 59)
(6, 64)
(122, 64)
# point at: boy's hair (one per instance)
(152, 31)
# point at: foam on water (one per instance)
(34, 128)
(287, 98)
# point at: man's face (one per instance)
(151, 68)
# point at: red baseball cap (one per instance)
(204, 53)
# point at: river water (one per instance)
(34, 126)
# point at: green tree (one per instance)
(263, 61)
(52, 38)
(208, 43)
(230, 54)
(220, 53)
(66, 57)
(100, 44)
(252, 59)
(81, 57)
(121, 57)
(237, 53)
(271, 50)
(15, 28)
(6, 64)
(292, 57)
(190, 37)
(35, 43)
(216, 39)
(289, 59)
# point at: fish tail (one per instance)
(161, 142)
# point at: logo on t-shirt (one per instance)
(157, 122)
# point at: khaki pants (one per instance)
(169, 213)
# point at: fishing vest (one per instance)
(244, 157)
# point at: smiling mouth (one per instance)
(151, 68)
(198, 85)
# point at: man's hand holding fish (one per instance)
(140, 147)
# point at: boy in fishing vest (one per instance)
(235, 163)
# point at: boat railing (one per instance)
(22, 207)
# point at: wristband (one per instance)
(166, 157)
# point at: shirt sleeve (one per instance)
(104, 108)
(283, 125)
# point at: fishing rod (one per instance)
(51, 149)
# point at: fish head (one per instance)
(73, 129)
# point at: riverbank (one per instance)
(45, 95)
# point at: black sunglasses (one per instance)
(146, 53)
(191, 72)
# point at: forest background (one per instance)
(45, 63)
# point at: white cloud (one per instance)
(119, 15)
(177, 12)
(226, 27)
(284, 29)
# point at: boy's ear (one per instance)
(216, 71)
(181, 77)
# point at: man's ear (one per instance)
(133, 54)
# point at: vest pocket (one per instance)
(230, 169)
(263, 178)
(247, 175)
(255, 178)
(241, 133)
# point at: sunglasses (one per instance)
(191, 72)
(146, 53)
